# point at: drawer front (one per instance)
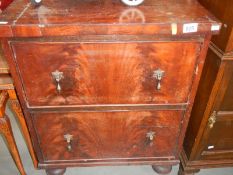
(55, 73)
(103, 135)
(217, 140)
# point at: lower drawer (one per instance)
(217, 141)
(100, 135)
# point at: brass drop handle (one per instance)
(212, 119)
(158, 75)
(150, 135)
(58, 76)
(68, 138)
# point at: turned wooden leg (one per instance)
(5, 129)
(17, 110)
(55, 171)
(187, 171)
(162, 169)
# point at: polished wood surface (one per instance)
(108, 98)
(16, 108)
(210, 71)
(208, 142)
(4, 4)
(4, 69)
(222, 9)
(106, 73)
(6, 131)
(77, 17)
(226, 104)
(222, 141)
(118, 135)
(215, 144)
(3, 100)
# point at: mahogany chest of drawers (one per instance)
(101, 83)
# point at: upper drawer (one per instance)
(105, 73)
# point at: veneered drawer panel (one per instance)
(105, 73)
(102, 135)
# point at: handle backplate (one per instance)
(158, 75)
(212, 119)
(68, 138)
(58, 76)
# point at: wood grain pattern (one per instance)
(16, 108)
(107, 135)
(223, 11)
(193, 91)
(185, 170)
(223, 121)
(212, 146)
(103, 17)
(225, 99)
(6, 131)
(8, 54)
(219, 144)
(4, 69)
(4, 4)
(3, 100)
(210, 71)
(215, 103)
(6, 84)
(206, 146)
(106, 73)
(108, 57)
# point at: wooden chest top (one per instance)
(74, 17)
